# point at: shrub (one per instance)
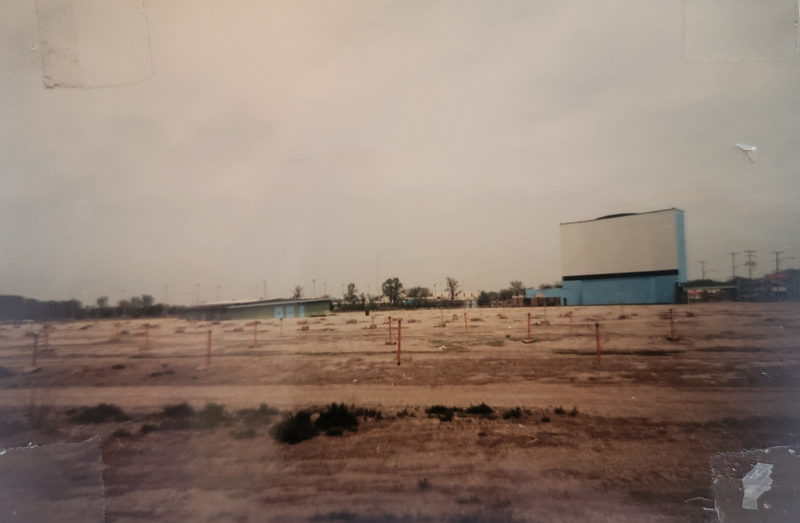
(294, 428)
(147, 428)
(363, 412)
(480, 410)
(118, 366)
(337, 416)
(405, 413)
(178, 410)
(514, 413)
(336, 516)
(441, 412)
(545, 419)
(573, 412)
(101, 413)
(121, 433)
(244, 434)
(211, 416)
(424, 484)
(40, 417)
(263, 415)
(559, 410)
(165, 372)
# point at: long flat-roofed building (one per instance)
(257, 309)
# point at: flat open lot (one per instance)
(650, 413)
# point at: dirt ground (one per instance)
(650, 412)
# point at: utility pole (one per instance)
(750, 263)
(733, 264)
(777, 260)
(702, 269)
(264, 289)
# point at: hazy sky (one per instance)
(295, 140)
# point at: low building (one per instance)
(716, 292)
(261, 309)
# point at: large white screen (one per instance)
(641, 242)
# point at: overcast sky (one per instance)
(354, 140)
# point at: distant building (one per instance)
(630, 258)
(711, 292)
(261, 309)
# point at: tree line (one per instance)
(395, 295)
(18, 308)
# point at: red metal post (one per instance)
(671, 325)
(391, 338)
(597, 339)
(529, 325)
(399, 335)
(35, 349)
(208, 349)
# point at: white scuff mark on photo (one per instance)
(755, 483)
(748, 150)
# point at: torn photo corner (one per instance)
(756, 485)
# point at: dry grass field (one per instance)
(569, 437)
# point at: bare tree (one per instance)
(351, 296)
(452, 287)
(298, 292)
(102, 302)
(517, 287)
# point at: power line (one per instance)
(777, 260)
(733, 264)
(750, 263)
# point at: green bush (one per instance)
(441, 412)
(178, 410)
(363, 412)
(101, 413)
(263, 415)
(294, 428)
(211, 416)
(480, 410)
(244, 434)
(337, 416)
(147, 428)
